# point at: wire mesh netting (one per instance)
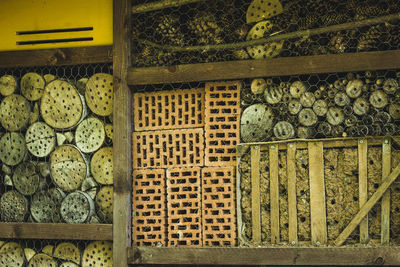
(63, 253)
(224, 22)
(56, 144)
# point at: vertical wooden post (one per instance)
(317, 193)
(291, 173)
(255, 194)
(274, 192)
(122, 133)
(386, 167)
(363, 186)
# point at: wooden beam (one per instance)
(56, 231)
(266, 256)
(56, 57)
(274, 193)
(387, 182)
(255, 194)
(363, 186)
(317, 193)
(386, 166)
(122, 229)
(292, 196)
(242, 69)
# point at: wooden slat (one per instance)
(270, 67)
(54, 57)
(385, 219)
(363, 186)
(274, 193)
(255, 194)
(292, 199)
(317, 193)
(368, 206)
(56, 231)
(122, 133)
(266, 256)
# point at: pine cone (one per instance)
(369, 10)
(370, 40)
(205, 27)
(309, 21)
(168, 31)
(394, 36)
(334, 18)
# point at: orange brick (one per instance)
(169, 110)
(172, 148)
(184, 207)
(222, 122)
(149, 220)
(218, 206)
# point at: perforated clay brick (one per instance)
(222, 123)
(218, 206)
(172, 148)
(184, 207)
(169, 110)
(149, 223)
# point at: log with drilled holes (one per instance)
(67, 252)
(12, 148)
(104, 204)
(14, 112)
(13, 207)
(68, 167)
(98, 253)
(8, 85)
(101, 166)
(26, 178)
(90, 135)
(40, 139)
(45, 205)
(32, 86)
(61, 105)
(99, 94)
(11, 254)
(77, 207)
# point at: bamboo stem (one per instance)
(161, 5)
(278, 37)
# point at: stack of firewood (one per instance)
(356, 105)
(55, 154)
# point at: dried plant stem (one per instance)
(161, 5)
(277, 37)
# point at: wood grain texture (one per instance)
(386, 183)
(255, 194)
(363, 186)
(122, 117)
(292, 199)
(385, 219)
(261, 68)
(274, 193)
(56, 57)
(317, 193)
(56, 231)
(266, 256)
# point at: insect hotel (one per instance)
(225, 132)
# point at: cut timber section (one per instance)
(255, 194)
(387, 182)
(363, 186)
(56, 57)
(265, 256)
(56, 231)
(386, 166)
(245, 69)
(317, 193)
(274, 193)
(292, 199)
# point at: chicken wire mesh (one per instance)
(224, 22)
(56, 144)
(63, 253)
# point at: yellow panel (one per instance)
(42, 15)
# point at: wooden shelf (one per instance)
(263, 68)
(56, 231)
(54, 57)
(265, 256)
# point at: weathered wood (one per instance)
(255, 194)
(317, 193)
(266, 256)
(122, 118)
(274, 193)
(292, 196)
(363, 186)
(386, 167)
(261, 68)
(56, 231)
(52, 57)
(368, 206)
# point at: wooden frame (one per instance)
(56, 57)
